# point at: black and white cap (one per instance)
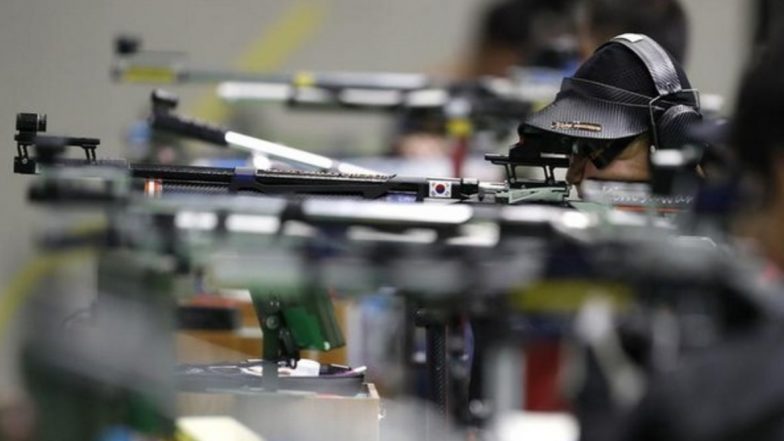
(612, 94)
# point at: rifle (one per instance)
(155, 179)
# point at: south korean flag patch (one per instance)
(441, 189)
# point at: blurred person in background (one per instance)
(509, 34)
(758, 141)
(523, 33)
(663, 20)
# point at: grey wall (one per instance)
(720, 37)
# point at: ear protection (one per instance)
(670, 121)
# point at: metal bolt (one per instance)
(272, 322)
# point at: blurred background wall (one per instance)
(55, 58)
(721, 32)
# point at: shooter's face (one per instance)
(631, 165)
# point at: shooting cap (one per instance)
(611, 95)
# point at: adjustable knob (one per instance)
(31, 122)
(127, 45)
(163, 101)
